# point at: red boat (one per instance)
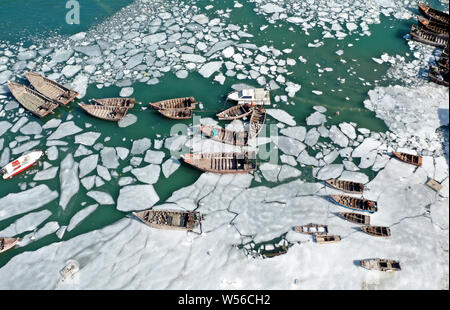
(21, 164)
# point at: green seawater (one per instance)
(23, 21)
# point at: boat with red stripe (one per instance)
(21, 164)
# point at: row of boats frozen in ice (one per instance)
(432, 29)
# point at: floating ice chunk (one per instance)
(88, 182)
(154, 157)
(87, 138)
(47, 174)
(109, 157)
(128, 120)
(338, 137)
(182, 74)
(82, 151)
(368, 159)
(64, 130)
(282, 116)
(80, 84)
(351, 26)
(209, 68)
(136, 197)
(202, 19)
(62, 55)
(101, 197)
(90, 50)
(68, 177)
(148, 174)
(140, 146)
(270, 171)
(80, 216)
(25, 201)
(103, 172)
(193, 58)
(126, 181)
(306, 159)
(175, 143)
(22, 121)
(368, 145)
(316, 118)
(292, 88)
(126, 92)
(348, 130)
(25, 147)
(122, 152)
(312, 136)
(71, 70)
(288, 172)
(328, 159)
(349, 165)
(61, 231)
(4, 126)
(271, 8)
(317, 92)
(88, 164)
(287, 159)
(170, 166)
(49, 228)
(32, 128)
(330, 172)
(377, 60)
(26, 223)
(52, 153)
(228, 52)
(134, 61)
(154, 38)
(289, 146)
(354, 176)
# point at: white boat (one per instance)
(20, 164)
(252, 96)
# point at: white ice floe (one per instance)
(154, 157)
(170, 166)
(87, 138)
(46, 174)
(68, 178)
(110, 159)
(64, 130)
(316, 118)
(128, 120)
(26, 223)
(88, 164)
(101, 197)
(136, 197)
(148, 174)
(330, 172)
(80, 216)
(140, 146)
(282, 116)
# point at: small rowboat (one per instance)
(355, 217)
(428, 37)
(354, 203)
(432, 26)
(256, 96)
(238, 138)
(346, 186)
(115, 102)
(408, 158)
(386, 265)
(51, 89)
(327, 238)
(433, 14)
(236, 112)
(21, 164)
(312, 229)
(377, 231)
(7, 243)
(439, 76)
(113, 114)
(257, 121)
(170, 219)
(176, 113)
(177, 103)
(32, 100)
(223, 163)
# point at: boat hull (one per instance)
(21, 164)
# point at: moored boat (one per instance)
(356, 218)
(327, 238)
(432, 26)
(222, 163)
(257, 121)
(107, 113)
(443, 62)
(236, 112)
(32, 100)
(408, 158)
(176, 103)
(7, 243)
(115, 102)
(254, 96)
(69, 271)
(377, 231)
(21, 164)
(238, 138)
(433, 14)
(428, 37)
(170, 219)
(176, 113)
(386, 265)
(51, 89)
(439, 76)
(346, 186)
(312, 229)
(355, 203)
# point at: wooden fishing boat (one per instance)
(236, 112)
(354, 203)
(432, 26)
(238, 138)
(170, 219)
(312, 229)
(21, 164)
(433, 14)
(443, 62)
(408, 158)
(439, 76)
(113, 114)
(7, 243)
(327, 238)
(176, 103)
(433, 184)
(223, 163)
(253, 96)
(346, 186)
(115, 102)
(386, 265)
(51, 89)
(32, 100)
(257, 121)
(275, 252)
(356, 218)
(428, 37)
(176, 113)
(377, 231)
